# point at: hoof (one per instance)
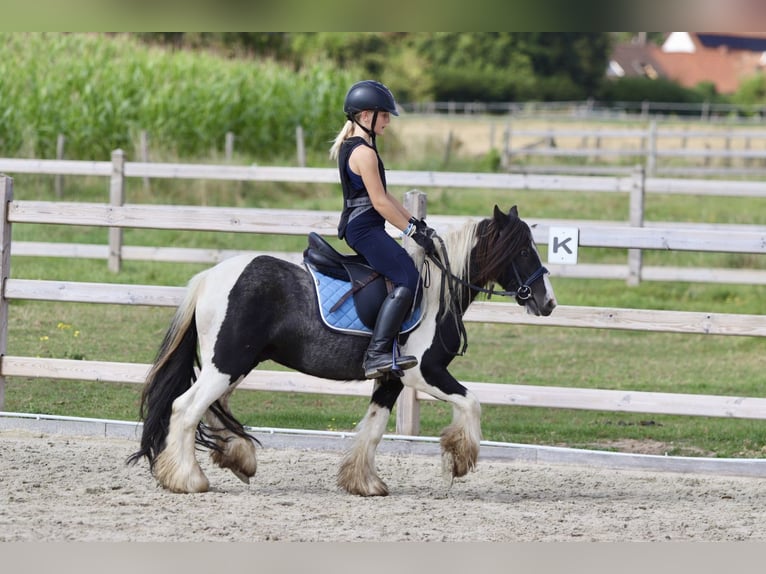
(243, 477)
(360, 481)
(171, 476)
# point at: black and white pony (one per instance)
(247, 309)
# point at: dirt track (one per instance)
(55, 488)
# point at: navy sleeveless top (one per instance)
(356, 200)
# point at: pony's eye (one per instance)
(524, 253)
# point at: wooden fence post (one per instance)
(145, 156)
(59, 181)
(448, 149)
(408, 407)
(300, 146)
(228, 146)
(651, 152)
(637, 194)
(6, 189)
(116, 198)
(505, 158)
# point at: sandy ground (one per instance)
(71, 488)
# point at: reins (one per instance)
(449, 283)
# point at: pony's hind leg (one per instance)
(357, 474)
(233, 447)
(176, 467)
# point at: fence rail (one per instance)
(636, 185)
(593, 109)
(661, 150)
(211, 219)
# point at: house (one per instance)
(689, 58)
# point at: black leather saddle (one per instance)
(368, 287)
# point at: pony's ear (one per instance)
(500, 217)
(514, 212)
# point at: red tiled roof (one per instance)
(724, 67)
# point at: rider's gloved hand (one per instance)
(422, 235)
(424, 241)
(422, 226)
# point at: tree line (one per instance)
(467, 66)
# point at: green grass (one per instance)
(584, 358)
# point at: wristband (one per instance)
(409, 230)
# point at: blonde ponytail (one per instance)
(343, 134)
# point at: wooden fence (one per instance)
(296, 222)
(662, 150)
(595, 233)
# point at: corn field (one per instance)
(101, 91)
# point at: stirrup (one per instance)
(398, 369)
(395, 367)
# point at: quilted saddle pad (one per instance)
(345, 319)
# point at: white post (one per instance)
(6, 189)
(229, 146)
(116, 198)
(637, 193)
(59, 181)
(651, 156)
(145, 156)
(506, 154)
(301, 146)
(408, 407)
(447, 148)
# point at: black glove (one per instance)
(422, 227)
(424, 240)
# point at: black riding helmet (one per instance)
(369, 95)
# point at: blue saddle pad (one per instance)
(345, 319)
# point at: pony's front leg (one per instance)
(461, 439)
(357, 474)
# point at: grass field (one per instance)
(553, 356)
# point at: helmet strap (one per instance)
(369, 131)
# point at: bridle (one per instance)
(450, 282)
(523, 293)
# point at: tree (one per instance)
(515, 65)
(581, 57)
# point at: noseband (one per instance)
(524, 291)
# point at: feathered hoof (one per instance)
(239, 458)
(459, 453)
(360, 483)
(170, 476)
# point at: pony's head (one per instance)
(505, 253)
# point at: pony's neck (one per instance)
(460, 248)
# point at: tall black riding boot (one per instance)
(380, 359)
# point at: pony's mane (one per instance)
(458, 244)
(494, 246)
